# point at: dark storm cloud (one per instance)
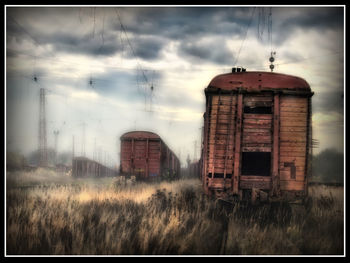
(148, 48)
(287, 20)
(172, 23)
(214, 51)
(320, 18)
(328, 101)
(72, 43)
(180, 23)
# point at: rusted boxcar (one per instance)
(257, 135)
(145, 155)
(84, 167)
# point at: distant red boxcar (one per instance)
(145, 155)
(84, 167)
(257, 135)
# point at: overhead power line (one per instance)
(129, 43)
(246, 32)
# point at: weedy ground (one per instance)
(50, 214)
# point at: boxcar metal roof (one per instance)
(140, 135)
(255, 81)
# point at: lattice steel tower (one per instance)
(42, 131)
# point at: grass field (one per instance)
(50, 214)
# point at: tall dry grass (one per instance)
(106, 218)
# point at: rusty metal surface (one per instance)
(140, 134)
(256, 81)
(84, 167)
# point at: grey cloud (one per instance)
(287, 20)
(148, 48)
(214, 51)
(181, 23)
(328, 101)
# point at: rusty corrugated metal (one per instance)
(145, 155)
(84, 167)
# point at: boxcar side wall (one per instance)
(293, 142)
(89, 168)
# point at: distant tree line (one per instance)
(62, 158)
(328, 167)
(17, 161)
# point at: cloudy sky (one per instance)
(108, 70)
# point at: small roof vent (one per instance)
(238, 69)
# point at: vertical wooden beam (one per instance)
(206, 142)
(160, 159)
(147, 166)
(276, 136)
(132, 156)
(237, 160)
(227, 138)
(308, 164)
(216, 134)
(168, 157)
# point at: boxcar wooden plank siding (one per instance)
(292, 185)
(257, 116)
(293, 141)
(262, 122)
(292, 129)
(294, 109)
(221, 132)
(292, 114)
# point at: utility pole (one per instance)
(83, 142)
(188, 161)
(42, 130)
(94, 154)
(99, 154)
(73, 148)
(56, 132)
(195, 151)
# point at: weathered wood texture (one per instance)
(256, 112)
(293, 137)
(257, 127)
(221, 123)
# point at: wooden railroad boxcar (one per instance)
(257, 135)
(146, 156)
(84, 167)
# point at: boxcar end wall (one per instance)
(145, 155)
(257, 134)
